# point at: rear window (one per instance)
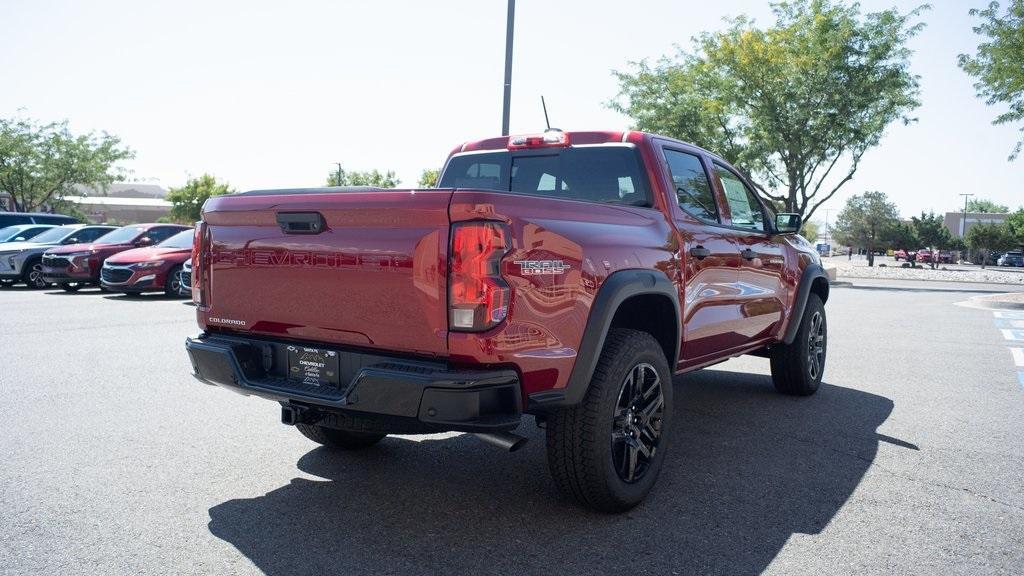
(610, 174)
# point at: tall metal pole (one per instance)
(508, 66)
(963, 223)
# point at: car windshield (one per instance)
(55, 234)
(9, 233)
(182, 239)
(121, 235)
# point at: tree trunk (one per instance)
(984, 258)
(871, 255)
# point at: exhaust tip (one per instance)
(506, 441)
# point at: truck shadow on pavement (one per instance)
(748, 468)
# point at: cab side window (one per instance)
(693, 189)
(159, 234)
(744, 206)
(90, 234)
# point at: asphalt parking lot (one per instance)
(909, 460)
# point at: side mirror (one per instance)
(19, 239)
(144, 241)
(788, 223)
(71, 240)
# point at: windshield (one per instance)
(121, 235)
(9, 233)
(182, 239)
(55, 234)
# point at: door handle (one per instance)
(700, 252)
(748, 254)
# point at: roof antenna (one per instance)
(546, 121)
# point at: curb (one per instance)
(993, 302)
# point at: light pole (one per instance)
(509, 28)
(963, 223)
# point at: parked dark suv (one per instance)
(11, 218)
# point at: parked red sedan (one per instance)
(77, 265)
(152, 269)
(924, 255)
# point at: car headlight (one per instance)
(150, 264)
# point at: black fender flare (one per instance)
(810, 275)
(615, 290)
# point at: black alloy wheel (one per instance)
(636, 427)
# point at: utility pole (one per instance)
(339, 173)
(963, 223)
(509, 28)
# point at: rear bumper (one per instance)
(376, 393)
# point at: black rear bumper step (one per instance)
(376, 393)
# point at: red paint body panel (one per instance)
(376, 278)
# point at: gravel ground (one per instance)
(858, 268)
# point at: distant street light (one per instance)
(963, 223)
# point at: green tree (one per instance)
(988, 237)
(904, 237)
(867, 221)
(187, 201)
(1015, 223)
(986, 206)
(997, 65)
(810, 231)
(931, 231)
(41, 163)
(429, 177)
(374, 178)
(796, 104)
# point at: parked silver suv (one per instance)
(22, 261)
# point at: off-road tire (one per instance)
(797, 368)
(335, 438)
(580, 440)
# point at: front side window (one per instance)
(743, 204)
(693, 189)
(162, 233)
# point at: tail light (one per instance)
(478, 297)
(198, 266)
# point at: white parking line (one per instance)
(1008, 315)
(1015, 335)
(1018, 356)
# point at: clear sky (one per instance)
(271, 94)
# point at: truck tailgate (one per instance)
(372, 275)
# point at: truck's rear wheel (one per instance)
(339, 438)
(607, 451)
(797, 368)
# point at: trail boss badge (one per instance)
(541, 267)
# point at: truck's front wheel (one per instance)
(607, 451)
(335, 438)
(797, 368)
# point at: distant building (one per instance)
(123, 203)
(954, 221)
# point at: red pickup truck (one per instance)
(566, 276)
